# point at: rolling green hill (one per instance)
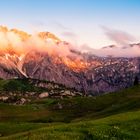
(22, 91)
(28, 85)
(114, 116)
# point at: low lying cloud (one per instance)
(129, 51)
(19, 42)
(119, 37)
(70, 37)
(119, 51)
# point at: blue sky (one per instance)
(78, 21)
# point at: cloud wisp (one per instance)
(119, 37)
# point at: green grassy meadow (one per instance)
(114, 116)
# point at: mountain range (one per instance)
(44, 56)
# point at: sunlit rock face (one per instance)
(46, 57)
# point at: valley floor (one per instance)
(114, 116)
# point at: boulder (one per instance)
(22, 100)
(44, 95)
(4, 98)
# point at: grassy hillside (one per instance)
(124, 126)
(21, 91)
(113, 116)
(22, 85)
(27, 84)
